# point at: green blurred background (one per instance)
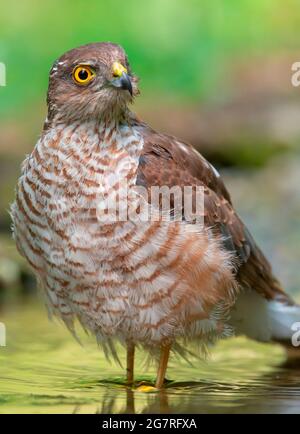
(182, 50)
(216, 73)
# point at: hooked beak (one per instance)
(123, 82)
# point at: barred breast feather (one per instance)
(149, 282)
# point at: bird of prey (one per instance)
(156, 282)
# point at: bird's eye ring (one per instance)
(83, 74)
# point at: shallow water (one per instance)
(43, 369)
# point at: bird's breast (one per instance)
(118, 274)
(71, 184)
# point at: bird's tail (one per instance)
(267, 320)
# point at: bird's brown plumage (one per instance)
(167, 161)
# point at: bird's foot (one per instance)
(146, 388)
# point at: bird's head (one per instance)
(89, 82)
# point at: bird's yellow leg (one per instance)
(130, 362)
(162, 367)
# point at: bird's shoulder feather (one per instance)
(167, 161)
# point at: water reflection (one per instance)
(43, 370)
(278, 392)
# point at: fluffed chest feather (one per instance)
(121, 278)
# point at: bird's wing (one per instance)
(170, 162)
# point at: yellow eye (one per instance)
(83, 74)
